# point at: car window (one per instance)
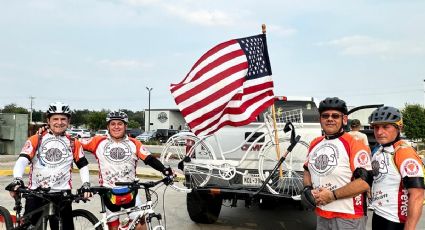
(309, 108)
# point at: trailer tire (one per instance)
(203, 208)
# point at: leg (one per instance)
(32, 203)
(65, 215)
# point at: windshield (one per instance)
(310, 111)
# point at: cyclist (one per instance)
(330, 167)
(398, 185)
(117, 155)
(355, 131)
(50, 155)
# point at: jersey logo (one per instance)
(53, 151)
(380, 167)
(411, 167)
(27, 149)
(117, 153)
(324, 159)
(361, 159)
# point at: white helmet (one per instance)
(58, 108)
(117, 115)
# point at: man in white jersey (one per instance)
(398, 184)
(117, 155)
(50, 155)
(331, 178)
(355, 131)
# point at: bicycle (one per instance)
(82, 218)
(198, 163)
(142, 211)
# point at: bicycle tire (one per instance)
(84, 219)
(290, 183)
(187, 150)
(5, 219)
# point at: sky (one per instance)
(103, 54)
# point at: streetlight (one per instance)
(149, 107)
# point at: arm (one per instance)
(352, 189)
(414, 209)
(307, 178)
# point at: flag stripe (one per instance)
(212, 79)
(233, 107)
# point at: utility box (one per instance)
(13, 132)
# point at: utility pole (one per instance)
(31, 99)
(149, 108)
(424, 93)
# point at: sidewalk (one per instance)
(8, 161)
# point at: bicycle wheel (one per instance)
(189, 157)
(84, 219)
(5, 219)
(288, 181)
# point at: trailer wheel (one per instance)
(203, 208)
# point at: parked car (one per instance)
(146, 136)
(163, 134)
(134, 132)
(80, 133)
(101, 132)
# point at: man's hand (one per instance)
(169, 173)
(14, 185)
(324, 196)
(42, 129)
(86, 190)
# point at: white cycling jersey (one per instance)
(389, 195)
(331, 163)
(51, 162)
(117, 161)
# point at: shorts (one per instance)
(379, 222)
(341, 224)
(111, 208)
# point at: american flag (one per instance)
(229, 85)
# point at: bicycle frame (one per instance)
(215, 164)
(47, 210)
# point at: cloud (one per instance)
(358, 45)
(125, 64)
(280, 31)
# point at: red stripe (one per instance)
(244, 122)
(211, 81)
(223, 110)
(212, 51)
(213, 97)
(219, 61)
(240, 110)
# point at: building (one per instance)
(164, 119)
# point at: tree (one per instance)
(96, 120)
(79, 117)
(132, 124)
(13, 108)
(414, 121)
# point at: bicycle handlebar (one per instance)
(145, 185)
(45, 193)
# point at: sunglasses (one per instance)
(333, 115)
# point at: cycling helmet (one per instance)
(58, 108)
(117, 115)
(333, 103)
(386, 115)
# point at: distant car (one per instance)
(134, 132)
(146, 136)
(80, 133)
(101, 132)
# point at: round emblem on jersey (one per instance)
(362, 158)
(411, 167)
(54, 151)
(324, 159)
(380, 164)
(27, 147)
(117, 152)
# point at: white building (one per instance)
(164, 119)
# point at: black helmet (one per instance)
(386, 115)
(333, 103)
(58, 108)
(117, 115)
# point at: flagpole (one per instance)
(276, 135)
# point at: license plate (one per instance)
(251, 179)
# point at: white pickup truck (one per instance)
(204, 203)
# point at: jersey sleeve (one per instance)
(30, 147)
(408, 163)
(141, 150)
(359, 155)
(90, 144)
